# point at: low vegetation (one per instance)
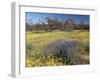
(57, 48)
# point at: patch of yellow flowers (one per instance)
(49, 61)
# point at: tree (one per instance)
(54, 24)
(50, 23)
(29, 25)
(44, 25)
(69, 24)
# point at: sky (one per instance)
(40, 17)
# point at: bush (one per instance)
(67, 51)
(84, 48)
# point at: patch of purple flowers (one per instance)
(66, 50)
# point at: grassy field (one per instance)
(37, 41)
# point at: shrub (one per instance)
(67, 51)
(84, 48)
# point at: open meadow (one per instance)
(57, 48)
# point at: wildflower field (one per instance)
(57, 48)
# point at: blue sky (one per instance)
(40, 17)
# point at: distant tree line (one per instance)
(55, 24)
